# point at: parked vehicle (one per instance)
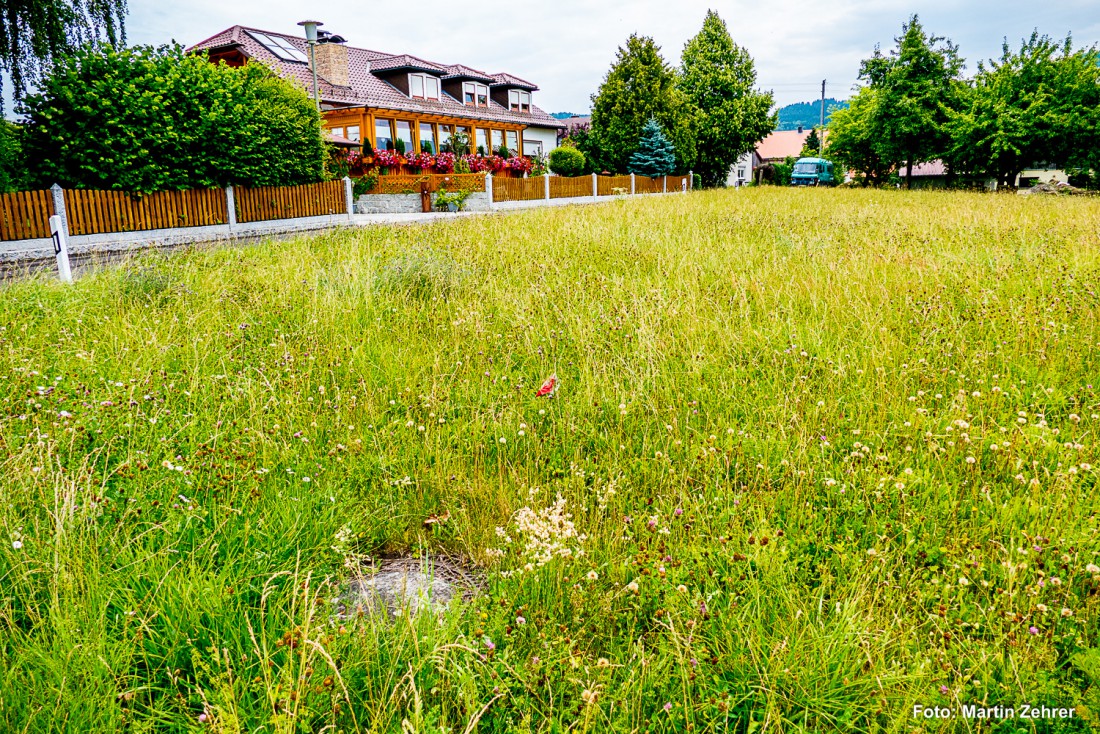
(812, 172)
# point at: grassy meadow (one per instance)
(816, 457)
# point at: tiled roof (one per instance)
(365, 88)
(930, 168)
(458, 71)
(782, 144)
(405, 61)
(508, 80)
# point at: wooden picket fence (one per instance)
(25, 215)
(612, 185)
(290, 202)
(519, 189)
(99, 212)
(562, 187)
(405, 184)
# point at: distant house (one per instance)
(375, 99)
(1038, 174)
(928, 175)
(585, 120)
(775, 148)
(933, 175)
(741, 172)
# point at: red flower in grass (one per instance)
(548, 388)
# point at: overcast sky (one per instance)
(567, 46)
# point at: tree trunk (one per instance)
(909, 172)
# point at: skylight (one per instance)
(279, 46)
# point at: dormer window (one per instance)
(519, 101)
(475, 95)
(423, 86)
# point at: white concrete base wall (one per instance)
(410, 203)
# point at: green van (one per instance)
(812, 172)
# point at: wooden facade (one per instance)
(366, 117)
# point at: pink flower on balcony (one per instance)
(445, 162)
(388, 158)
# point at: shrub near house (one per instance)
(147, 119)
(567, 161)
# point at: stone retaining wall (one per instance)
(410, 203)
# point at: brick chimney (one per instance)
(332, 63)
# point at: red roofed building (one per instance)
(377, 98)
(782, 144)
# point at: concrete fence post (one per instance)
(58, 195)
(632, 184)
(231, 208)
(489, 188)
(691, 180)
(595, 186)
(60, 237)
(349, 196)
(546, 184)
(664, 184)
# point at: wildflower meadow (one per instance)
(811, 461)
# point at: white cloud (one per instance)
(567, 46)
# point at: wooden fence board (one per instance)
(562, 187)
(518, 189)
(288, 202)
(607, 185)
(100, 212)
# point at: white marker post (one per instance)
(61, 248)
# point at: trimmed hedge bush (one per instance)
(567, 161)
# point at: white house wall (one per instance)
(548, 136)
(742, 166)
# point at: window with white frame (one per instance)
(519, 101)
(475, 95)
(423, 86)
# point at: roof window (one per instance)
(279, 46)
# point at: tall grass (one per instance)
(816, 457)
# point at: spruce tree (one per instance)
(655, 155)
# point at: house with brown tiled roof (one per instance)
(377, 99)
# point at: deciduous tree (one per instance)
(916, 85)
(1038, 105)
(852, 141)
(145, 119)
(728, 115)
(12, 163)
(34, 32)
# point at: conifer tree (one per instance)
(655, 155)
(639, 85)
